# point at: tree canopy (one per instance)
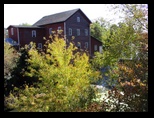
(25, 24)
(65, 79)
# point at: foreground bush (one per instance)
(64, 80)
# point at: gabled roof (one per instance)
(58, 17)
(20, 26)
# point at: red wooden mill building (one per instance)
(73, 23)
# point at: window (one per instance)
(78, 19)
(95, 47)
(100, 49)
(78, 32)
(59, 28)
(33, 33)
(40, 45)
(50, 31)
(79, 45)
(86, 32)
(86, 45)
(12, 31)
(70, 31)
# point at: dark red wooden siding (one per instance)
(54, 28)
(94, 41)
(74, 25)
(14, 36)
(26, 36)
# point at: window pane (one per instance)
(78, 19)
(33, 33)
(100, 49)
(78, 32)
(95, 47)
(12, 32)
(86, 45)
(59, 28)
(70, 31)
(50, 31)
(86, 32)
(79, 45)
(40, 45)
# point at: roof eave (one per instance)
(23, 26)
(51, 23)
(97, 39)
(85, 16)
(82, 13)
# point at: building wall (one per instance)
(14, 36)
(54, 28)
(25, 35)
(74, 25)
(94, 42)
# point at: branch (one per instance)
(131, 11)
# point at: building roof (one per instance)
(20, 26)
(58, 17)
(11, 41)
(96, 39)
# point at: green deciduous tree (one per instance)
(133, 82)
(10, 59)
(126, 40)
(134, 14)
(25, 24)
(118, 45)
(65, 79)
(99, 29)
(10, 62)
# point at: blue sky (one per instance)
(15, 14)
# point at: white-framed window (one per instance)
(79, 45)
(86, 45)
(40, 45)
(12, 31)
(86, 32)
(78, 19)
(33, 33)
(95, 47)
(78, 32)
(70, 31)
(100, 49)
(50, 31)
(59, 28)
